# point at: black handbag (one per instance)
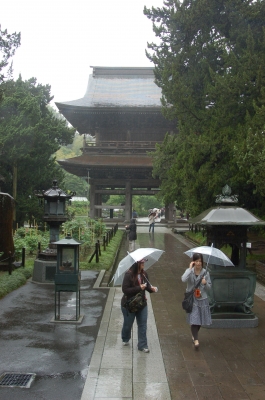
(136, 303)
(187, 303)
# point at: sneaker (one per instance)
(144, 350)
(125, 343)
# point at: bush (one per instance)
(8, 283)
(196, 237)
(85, 230)
(29, 238)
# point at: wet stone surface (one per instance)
(59, 354)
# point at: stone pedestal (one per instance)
(44, 271)
(231, 298)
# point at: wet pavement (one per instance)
(88, 361)
(58, 353)
(228, 365)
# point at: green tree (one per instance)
(9, 42)
(209, 64)
(73, 182)
(29, 136)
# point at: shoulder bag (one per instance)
(136, 303)
(187, 303)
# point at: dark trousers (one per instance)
(152, 226)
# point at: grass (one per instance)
(107, 257)
(19, 277)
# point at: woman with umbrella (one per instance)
(200, 314)
(135, 281)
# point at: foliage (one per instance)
(196, 237)
(140, 203)
(86, 231)
(76, 184)
(29, 239)
(107, 257)
(78, 208)
(19, 276)
(29, 135)
(9, 42)
(209, 64)
(8, 283)
(72, 182)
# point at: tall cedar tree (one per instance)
(9, 42)
(30, 134)
(209, 63)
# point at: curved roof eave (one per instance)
(226, 216)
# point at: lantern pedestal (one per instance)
(231, 298)
(44, 271)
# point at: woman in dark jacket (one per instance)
(135, 281)
(132, 234)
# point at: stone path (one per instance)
(230, 363)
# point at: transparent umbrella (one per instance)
(150, 255)
(211, 255)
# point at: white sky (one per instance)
(61, 39)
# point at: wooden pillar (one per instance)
(98, 202)
(128, 201)
(92, 199)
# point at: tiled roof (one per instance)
(120, 87)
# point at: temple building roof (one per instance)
(113, 87)
(103, 164)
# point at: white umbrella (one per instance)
(211, 255)
(150, 255)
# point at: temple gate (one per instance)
(122, 111)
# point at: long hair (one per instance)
(134, 270)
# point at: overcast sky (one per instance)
(61, 39)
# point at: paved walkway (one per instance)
(230, 363)
(88, 361)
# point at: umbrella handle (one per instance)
(148, 280)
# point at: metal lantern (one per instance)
(67, 276)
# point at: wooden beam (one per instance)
(107, 207)
(122, 191)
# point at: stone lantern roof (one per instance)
(227, 213)
(54, 192)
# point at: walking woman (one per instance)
(200, 314)
(132, 228)
(135, 281)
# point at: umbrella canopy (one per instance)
(211, 255)
(150, 255)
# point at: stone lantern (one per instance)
(54, 202)
(232, 295)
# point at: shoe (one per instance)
(125, 343)
(144, 350)
(196, 344)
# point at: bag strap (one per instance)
(198, 284)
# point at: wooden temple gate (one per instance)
(121, 110)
